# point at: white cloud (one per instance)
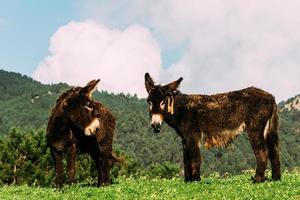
(238, 44)
(81, 51)
(229, 44)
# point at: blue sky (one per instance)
(214, 45)
(26, 28)
(27, 25)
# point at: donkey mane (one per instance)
(62, 100)
(164, 90)
(67, 94)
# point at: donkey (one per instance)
(216, 120)
(78, 123)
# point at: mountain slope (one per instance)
(25, 102)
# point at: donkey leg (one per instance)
(71, 162)
(195, 162)
(105, 171)
(186, 164)
(96, 157)
(192, 161)
(58, 162)
(102, 165)
(106, 161)
(261, 154)
(272, 144)
(99, 166)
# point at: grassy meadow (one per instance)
(211, 187)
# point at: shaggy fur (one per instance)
(216, 120)
(74, 111)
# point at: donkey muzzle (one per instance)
(156, 122)
(156, 127)
(92, 128)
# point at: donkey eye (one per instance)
(88, 108)
(150, 104)
(162, 105)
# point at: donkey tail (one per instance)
(272, 144)
(273, 131)
(272, 124)
(115, 158)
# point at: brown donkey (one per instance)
(78, 123)
(217, 120)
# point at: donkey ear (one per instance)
(149, 83)
(90, 88)
(174, 85)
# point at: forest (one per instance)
(25, 105)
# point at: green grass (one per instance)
(212, 187)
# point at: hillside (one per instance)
(292, 104)
(27, 103)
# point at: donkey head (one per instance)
(83, 111)
(160, 100)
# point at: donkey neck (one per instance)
(179, 103)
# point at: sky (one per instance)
(216, 46)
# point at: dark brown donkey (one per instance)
(78, 123)
(216, 120)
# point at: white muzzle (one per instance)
(92, 127)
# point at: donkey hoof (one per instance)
(276, 178)
(104, 183)
(59, 186)
(257, 179)
(71, 182)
